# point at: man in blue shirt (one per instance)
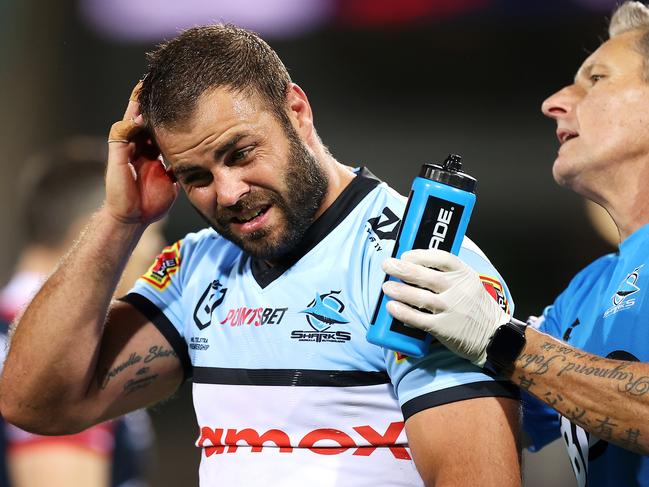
(587, 357)
(266, 310)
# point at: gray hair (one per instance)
(632, 15)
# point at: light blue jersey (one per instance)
(287, 390)
(603, 311)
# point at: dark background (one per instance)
(388, 91)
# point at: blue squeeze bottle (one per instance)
(437, 213)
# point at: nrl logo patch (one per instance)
(165, 265)
(495, 288)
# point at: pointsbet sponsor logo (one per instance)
(322, 441)
(254, 316)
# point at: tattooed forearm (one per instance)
(158, 351)
(154, 353)
(137, 384)
(601, 395)
(558, 362)
(109, 374)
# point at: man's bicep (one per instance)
(137, 365)
(469, 442)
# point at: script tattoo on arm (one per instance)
(561, 360)
(587, 390)
(140, 379)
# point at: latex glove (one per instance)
(461, 314)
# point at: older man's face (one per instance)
(603, 120)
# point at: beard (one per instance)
(306, 188)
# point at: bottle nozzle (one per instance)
(453, 163)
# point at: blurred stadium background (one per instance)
(393, 84)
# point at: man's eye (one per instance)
(594, 78)
(197, 180)
(240, 155)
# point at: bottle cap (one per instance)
(449, 173)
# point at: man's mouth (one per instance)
(249, 215)
(566, 135)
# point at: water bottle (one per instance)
(437, 213)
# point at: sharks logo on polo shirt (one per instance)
(323, 313)
(622, 297)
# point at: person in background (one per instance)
(61, 189)
(587, 357)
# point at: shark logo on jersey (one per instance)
(627, 287)
(323, 312)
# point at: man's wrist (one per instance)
(121, 226)
(505, 346)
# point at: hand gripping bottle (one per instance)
(436, 217)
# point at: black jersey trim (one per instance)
(351, 196)
(288, 377)
(462, 392)
(162, 323)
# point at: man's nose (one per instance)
(229, 189)
(561, 103)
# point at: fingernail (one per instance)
(387, 287)
(390, 264)
(139, 120)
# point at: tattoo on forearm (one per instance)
(137, 384)
(558, 362)
(525, 382)
(154, 353)
(604, 428)
(109, 374)
(630, 440)
(552, 399)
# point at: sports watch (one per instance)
(505, 345)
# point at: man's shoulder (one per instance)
(596, 270)
(207, 242)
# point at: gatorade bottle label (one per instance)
(437, 230)
(439, 225)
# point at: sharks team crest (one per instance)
(622, 297)
(324, 312)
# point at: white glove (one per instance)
(463, 316)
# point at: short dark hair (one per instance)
(203, 58)
(59, 186)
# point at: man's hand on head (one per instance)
(443, 296)
(139, 189)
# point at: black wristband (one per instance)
(505, 346)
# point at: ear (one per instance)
(299, 110)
